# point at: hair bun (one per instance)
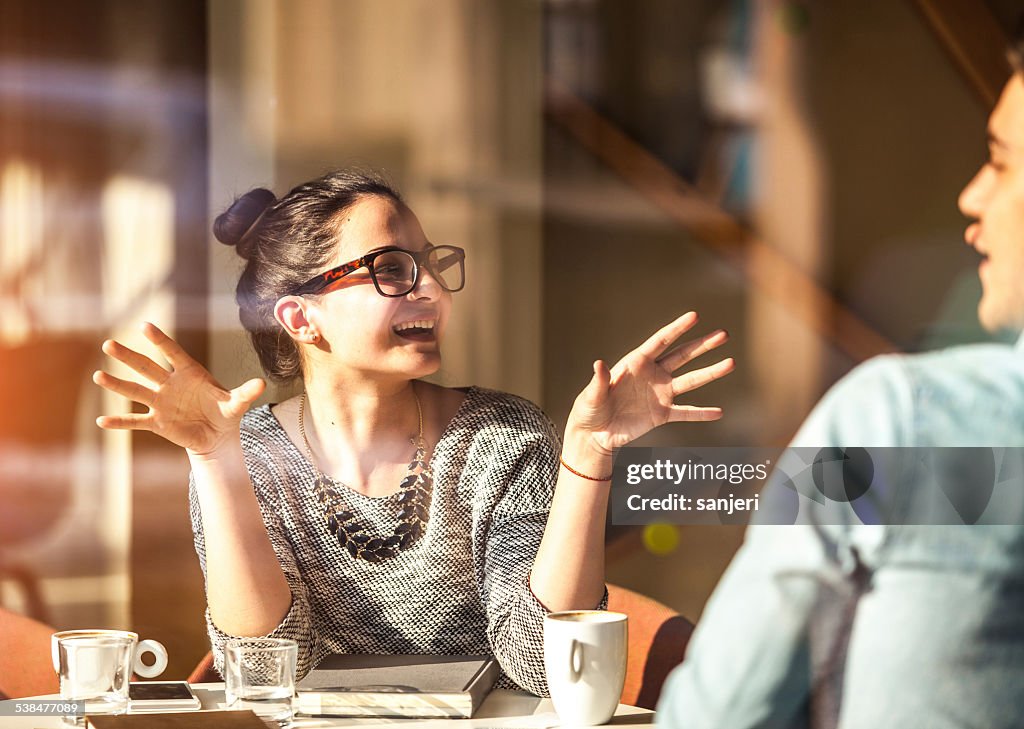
(232, 227)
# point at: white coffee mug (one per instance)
(94, 666)
(585, 658)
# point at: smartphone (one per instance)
(161, 696)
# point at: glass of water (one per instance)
(259, 674)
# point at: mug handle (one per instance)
(158, 651)
(575, 661)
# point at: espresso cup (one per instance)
(94, 666)
(585, 659)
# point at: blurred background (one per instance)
(789, 169)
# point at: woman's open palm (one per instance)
(638, 393)
(187, 406)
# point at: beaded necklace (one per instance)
(413, 502)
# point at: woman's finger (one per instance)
(596, 391)
(245, 395)
(663, 338)
(124, 388)
(679, 356)
(170, 349)
(698, 378)
(138, 362)
(689, 413)
(129, 421)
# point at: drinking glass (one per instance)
(259, 674)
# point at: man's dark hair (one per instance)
(1015, 51)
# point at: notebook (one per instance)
(407, 686)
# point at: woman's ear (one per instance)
(291, 314)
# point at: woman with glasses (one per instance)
(377, 513)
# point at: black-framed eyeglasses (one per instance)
(396, 271)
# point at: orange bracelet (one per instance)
(572, 470)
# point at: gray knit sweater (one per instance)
(460, 589)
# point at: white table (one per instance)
(500, 710)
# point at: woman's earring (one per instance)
(313, 337)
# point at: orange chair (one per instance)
(26, 668)
(204, 672)
(657, 641)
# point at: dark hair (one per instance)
(286, 242)
(1015, 51)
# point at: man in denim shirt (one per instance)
(890, 626)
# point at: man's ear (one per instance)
(292, 314)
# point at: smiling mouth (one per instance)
(421, 330)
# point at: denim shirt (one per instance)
(935, 622)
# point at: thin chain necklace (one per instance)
(413, 500)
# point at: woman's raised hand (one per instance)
(186, 405)
(638, 393)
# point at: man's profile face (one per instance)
(995, 198)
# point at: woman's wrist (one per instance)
(227, 452)
(584, 456)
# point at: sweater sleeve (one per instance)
(516, 522)
(297, 624)
(515, 618)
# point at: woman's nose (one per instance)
(427, 287)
